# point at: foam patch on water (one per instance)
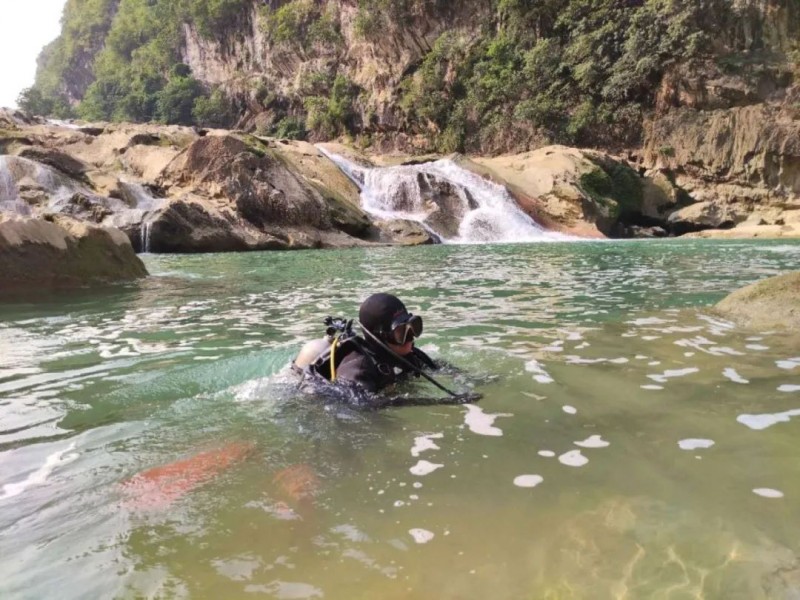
(534, 367)
(594, 441)
(42, 474)
(649, 321)
(700, 343)
(424, 467)
(424, 443)
(788, 387)
(528, 481)
(421, 536)
(768, 493)
(672, 373)
(695, 444)
(482, 423)
(573, 458)
(763, 421)
(731, 374)
(789, 363)
(570, 410)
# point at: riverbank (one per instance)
(186, 190)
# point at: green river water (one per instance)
(630, 443)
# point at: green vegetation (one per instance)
(519, 73)
(129, 51)
(300, 22)
(332, 115)
(615, 185)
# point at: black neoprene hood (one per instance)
(380, 311)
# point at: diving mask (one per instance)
(406, 328)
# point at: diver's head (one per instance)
(386, 317)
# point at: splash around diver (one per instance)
(357, 370)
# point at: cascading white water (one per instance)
(455, 204)
(140, 206)
(145, 235)
(9, 194)
(15, 170)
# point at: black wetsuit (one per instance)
(363, 371)
(375, 369)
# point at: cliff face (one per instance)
(705, 92)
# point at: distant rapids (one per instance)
(452, 203)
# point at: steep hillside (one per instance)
(479, 76)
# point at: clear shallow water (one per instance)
(615, 454)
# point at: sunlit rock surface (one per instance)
(773, 303)
(36, 253)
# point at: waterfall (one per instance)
(140, 209)
(145, 236)
(137, 196)
(455, 204)
(10, 201)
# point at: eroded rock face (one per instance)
(35, 253)
(581, 192)
(241, 192)
(772, 303)
(190, 226)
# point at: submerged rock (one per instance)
(773, 303)
(405, 233)
(36, 253)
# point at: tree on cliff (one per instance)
(474, 75)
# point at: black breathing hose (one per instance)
(407, 363)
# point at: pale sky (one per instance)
(26, 26)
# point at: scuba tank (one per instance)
(317, 353)
(311, 351)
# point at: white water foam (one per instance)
(42, 474)
(669, 374)
(768, 493)
(789, 387)
(534, 367)
(486, 211)
(731, 374)
(763, 421)
(424, 443)
(482, 423)
(421, 536)
(573, 458)
(424, 467)
(528, 481)
(695, 444)
(789, 363)
(594, 441)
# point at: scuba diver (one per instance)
(361, 367)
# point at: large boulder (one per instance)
(772, 303)
(37, 253)
(189, 225)
(341, 195)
